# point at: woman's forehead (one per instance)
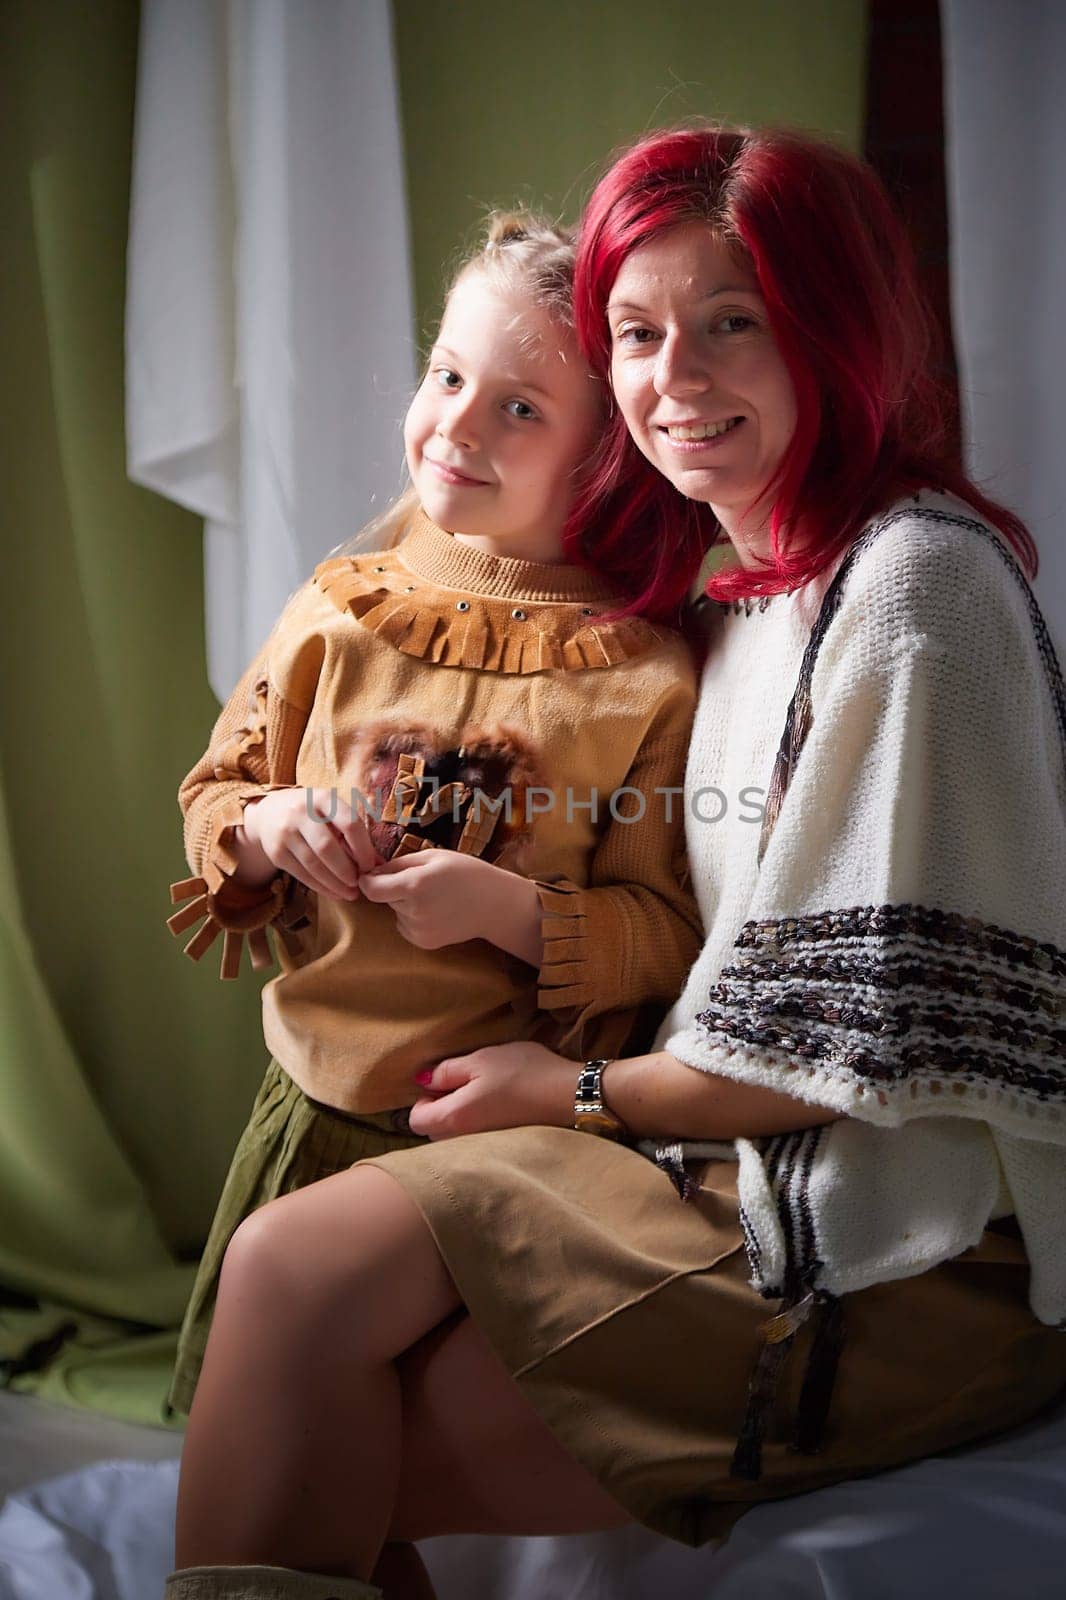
(692, 258)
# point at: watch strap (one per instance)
(592, 1114)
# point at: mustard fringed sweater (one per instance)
(438, 661)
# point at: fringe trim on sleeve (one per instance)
(236, 923)
(564, 971)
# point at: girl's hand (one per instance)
(435, 895)
(441, 898)
(310, 834)
(502, 1086)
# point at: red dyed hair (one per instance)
(837, 273)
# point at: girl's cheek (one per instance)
(413, 432)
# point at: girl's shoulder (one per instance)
(299, 641)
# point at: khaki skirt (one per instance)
(628, 1320)
(290, 1141)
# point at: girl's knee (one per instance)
(262, 1253)
(319, 1247)
(349, 1256)
(290, 1246)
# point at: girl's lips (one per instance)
(449, 475)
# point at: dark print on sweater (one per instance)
(423, 794)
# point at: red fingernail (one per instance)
(424, 1077)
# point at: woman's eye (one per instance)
(633, 334)
(736, 322)
(520, 409)
(447, 379)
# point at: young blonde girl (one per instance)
(449, 783)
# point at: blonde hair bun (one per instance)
(513, 227)
(524, 250)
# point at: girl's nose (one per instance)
(458, 422)
(682, 368)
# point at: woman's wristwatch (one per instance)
(592, 1114)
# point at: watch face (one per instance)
(596, 1119)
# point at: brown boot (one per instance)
(263, 1583)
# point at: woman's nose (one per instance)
(682, 368)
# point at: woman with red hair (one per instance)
(818, 1232)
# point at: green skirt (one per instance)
(290, 1141)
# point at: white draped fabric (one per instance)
(983, 1523)
(269, 344)
(1005, 132)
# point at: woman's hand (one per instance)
(502, 1086)
(441, 898)
(310, 834)
(656, 1096)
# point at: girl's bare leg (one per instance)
(292, 1454)
(476, 1457)
(343, 1403)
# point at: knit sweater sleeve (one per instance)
(631, 934)
(252, 751)
(904, 954)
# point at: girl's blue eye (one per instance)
(736, 322)
(521, 410)
(448, 379)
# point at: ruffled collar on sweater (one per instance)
(446, 602)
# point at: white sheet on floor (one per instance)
(985, 1522)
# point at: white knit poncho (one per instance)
(900, 953)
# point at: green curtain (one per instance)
(125, 1071)
(511, 105)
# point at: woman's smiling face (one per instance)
(698, 376)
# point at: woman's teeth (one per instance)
(704, 430)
